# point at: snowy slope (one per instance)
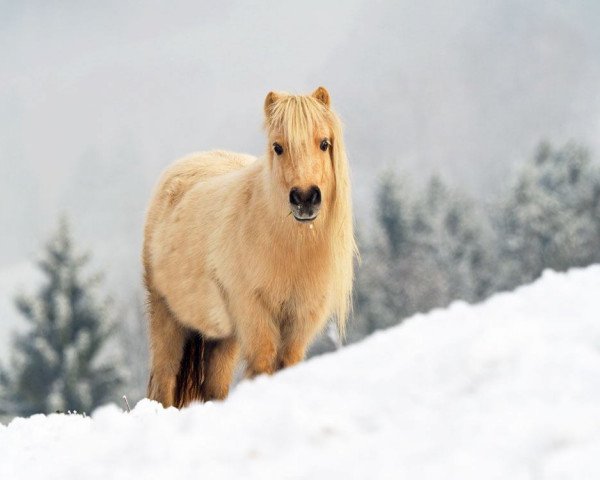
(509, 389)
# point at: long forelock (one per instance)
(295, 118)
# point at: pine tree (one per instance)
(380, 286)
(424, 254)
(391, 216)
(58, 364)
(450, 254)
(551, 217)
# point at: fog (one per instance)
(96, 99)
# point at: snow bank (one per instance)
(508, 389)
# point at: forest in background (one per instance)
(426, 248)
(437, 245)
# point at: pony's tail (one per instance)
(192, 370)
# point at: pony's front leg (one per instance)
(258, 336)
(296, 335)
(220, 367)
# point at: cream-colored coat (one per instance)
(224, 257)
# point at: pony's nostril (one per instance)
(315, 196)
(305, 200)
(295, 197)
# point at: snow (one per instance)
(508, 389)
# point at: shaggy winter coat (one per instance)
(234, 265)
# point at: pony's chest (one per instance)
(286, 301)
(286, 276)
(297, 284)
(297, 271)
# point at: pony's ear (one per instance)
(322, 95)
(272, 97)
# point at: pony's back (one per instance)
(187, 172)
(180, 177)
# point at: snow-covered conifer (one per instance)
(60, 363)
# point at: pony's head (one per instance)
(310, 177)
(302, 139)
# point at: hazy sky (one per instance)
(97, 97)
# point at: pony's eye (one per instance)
(325, 145)
(277, 148)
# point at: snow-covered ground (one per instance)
(509, 389)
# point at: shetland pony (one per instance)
(248, 257)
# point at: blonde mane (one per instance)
(296, 117)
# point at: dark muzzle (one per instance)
(305, 204)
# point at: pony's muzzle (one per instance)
(305, 204)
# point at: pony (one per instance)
(247, 258)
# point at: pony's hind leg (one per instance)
(167, 338)
(220, 367)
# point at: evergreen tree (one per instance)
(424, 254)
(391, 216)
(450, 250)
(551, 217)
(379, 291)
(57, 365)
